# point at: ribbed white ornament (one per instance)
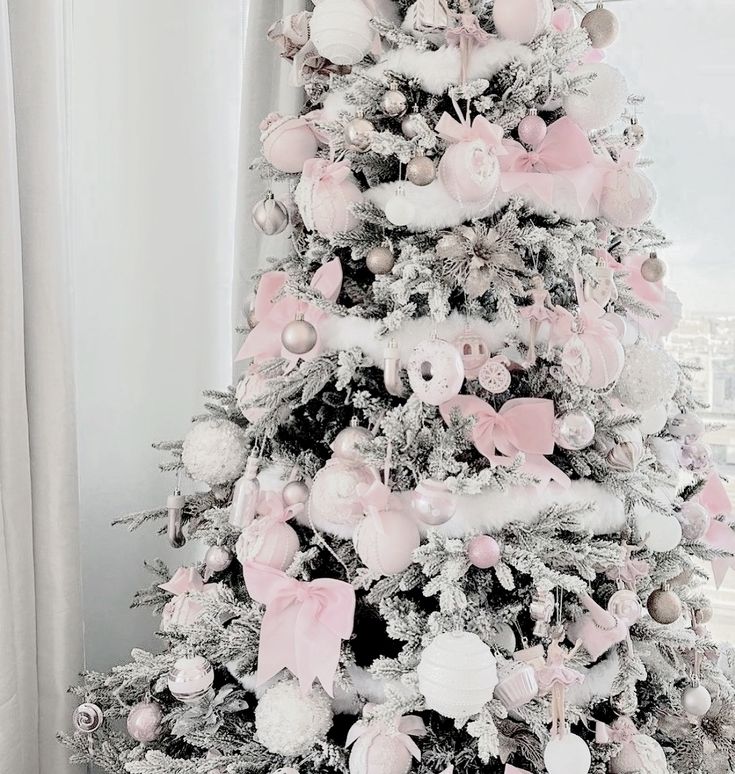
(457, 674)
(341, 31)
(381, 754)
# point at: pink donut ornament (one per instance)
(288, 142)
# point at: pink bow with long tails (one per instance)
(523, 425)
(720, 533)
(303, 625)
(408, 726)
(273, 313)
(481, 129)
(183, 609)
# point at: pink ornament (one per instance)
(269, 540)
(532, 129)
(185, 608)
(252, 386)
(433, 503)
(378, 749)
(483, 552)
(334, 503)
(144, 722)
(628, 196)
(522, 20)
(495, 375)
(324, 197)
(473, 351)
(695, 520)
(517, 685)
(385, 541)
(435, 371)
(288, 142)
(599, 629)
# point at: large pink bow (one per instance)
(720, 534)
(453, 130)
(408, 726)
(303, 624)
(522, 425)
(273, 314)
(183, 609)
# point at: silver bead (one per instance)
(380, 260)
(394, 103)
(295, 493)
(664, 606)
(87, 718)
(359, 134)
(412, 124)
(270, 216)
(634, 134)
(653, 269)
(299, 337)
(602, 26)
(421, 171)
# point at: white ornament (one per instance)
(522, 20)
(457, 674)
(603, 101)
(661, 533)
(190, 679)
(628, 198)
(568, 754)
(268, 542)
(399, 210)
(340, 30)
(289, 722)
(649, 377)
(333, 502)
(435, 371)
(654, 419)
(215, 451)
(697, 701)
(385, 541)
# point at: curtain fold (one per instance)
(40, 634)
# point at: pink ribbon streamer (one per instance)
(408, 726)
(481, 129)
(720, 533)
(303, 625)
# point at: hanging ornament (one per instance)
(288, 142)
(638, 753)
(399, 210)
(661, 533)
(695, 457)
(190, 679)
(696, 701)
(245, 495)
(628, 195)
(555, 677)
(626, 454)
(457, 674)
(603, 99)
(392, 370)
(383, 749)
(144, 722)
(380, 260)
(175, 506)
(325, 195)
(270, 215)
(421, 171)
(348, 444)
(653, 269)
(649, 377)
(473, 351)
(432, 503)
(295, 492)
(431, 15)
(634, 134)
(359, 133)
(483, 552)
(601, 25)
(214, 451)
(340, 30)
(217, 559)
(522, 20)
(532, 129)
(269, 540)
(333, 503)
(542, 610)
(87, 718)
(435, 371)
(299, 336)
(413, 124)
(394, 103)
(625, 605)
(598, 629)
(664, 606)
(517, 685)
(695, 520)
(573, 431)
(494, 376)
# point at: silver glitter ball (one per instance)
(87, 718)
(295, 493)
(270, 216)
(602, 26)
(634, 134)
(299, 337)
(359, 134)
(650, 376)
(412, 124)
(573, 431)
(394, 103)
(380, 260)
(664, 606)
(421, 171)
(653, 269)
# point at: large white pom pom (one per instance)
(289, 722)
(650, 376)
(604, 100)
(215, 451)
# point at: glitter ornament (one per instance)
(695, 521)
(567, 754)
(660, 533)
(602, 26)
(399, 210)
(359, 133)
(217, 559)
(664, 606)
(144, 722)
(603, 101)
(381, 753)
(457, 674)
(347, 445)
(413, 124)
(483, 552)
(634, 134)
(385, 541)
(340, 30)
(270, 216)
(625, 605)
(517, 685)
(435, 371)
(573, 430)
(269, 542)
(394, 103)
(494, 376)
(380, 260)
(421, 171)
(299, 336)
(87, 718)
(245, 495)
(473, 351)
(696, 701)
(295, 493)
(334, 503)
(289, 722)
(432, 503)
(215, 451)
(628, 197)
(522, 20)
(532, 129)
(653, 269)
(650, 376)
(190, 679)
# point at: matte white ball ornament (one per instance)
(522, 20)
(340, 30)
(215, 451)
(603, 101)
(568, 754)
(457, 674)
(385, 541)
(697, 701)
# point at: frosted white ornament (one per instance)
(654, 419)
(604, 100)
(522, 20)
(628, 197)
(697, 701)
(274, 544)
(650, 376)
(661, 533)
(399, 210)
(215, 451)
(568, 754)
(333, 502)
(289, 722)
(457, 674)
(340, 30)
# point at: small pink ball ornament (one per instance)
(435, 371)
(483, 552)
(532, 129)
(288, 142)
(385, 541)
(522, 20)
(144, 722)
(432, 503)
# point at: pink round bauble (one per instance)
(628, 198)
(432, 503)
(380, 754)
(473, 351)
(601, 101)
(385, 541)
(288, 142)
(252, 386)
(522, 20)
(593, 361)
(333, 502)
(695, 521)
(272, 544)
(144, 721)
(532, 129)
(324, 196)
(470, 172)
(483, 552)
(435, 371)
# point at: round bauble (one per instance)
(470, 172)
(144, 722)
(272, 544)
(87, 718)
(288, 142)
(626, 605)
(653, 420)
(270, 216)
(215, 451)
(385, 541)
(573, 430)
(602, 26)
(495, 376)
(457, 674)
(252, 386)
(603, 101)
(399, 210)
(421, 171)
(634, 134)
(295, 493)
(394, 103)
(473, 351)
(653, 269)
(334, 503)
(664, 606)
(502, 636)
(190, 679)
(380, 260)
(650, 376)
(522, 20)
(687, 426)
(532, 129)
(289, 722)
(359, 133)
(483, 552)
(435, 371)
(349, 442)
(695, 457)
(628, 198)
(325, 196)
(340, 30)
(660, 533)
(568, 754)
(299, 337)
(628, 760)
(412, 125)
(383, 753)
(695, 521)
(517, 686)
(697, 701)
(217, 559)
(432, 503)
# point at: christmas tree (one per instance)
(458, 512)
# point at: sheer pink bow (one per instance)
(374, 497)
(274, 313)
(481, 129)
(720, 534)
(408, 726)
(523, 425)
(183, 609)
(303, 624)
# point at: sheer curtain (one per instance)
(40, 633)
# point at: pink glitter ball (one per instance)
(532, 130)
(483, 552)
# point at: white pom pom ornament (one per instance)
(340, 30)
(522, 20)
(603, 101)
(649, 377)
(215, 451)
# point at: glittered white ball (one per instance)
(340, 30)
(215, 451)
(697, 701)
(522, 20)
(457, 674)
(289, 722)
(380, 754)
(628, 198)
(568, 754)
(333, 503)
(604, 100)
(650, 376)
(661, 533)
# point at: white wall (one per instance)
(155, 115)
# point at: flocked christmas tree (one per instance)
(458, 508)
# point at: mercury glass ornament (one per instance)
(433, 503)
(299, 336)
(190, 679)
(421, 171)
(270, 216)
(394, 103)
(380, 260)
(412, 124)
(87, 717)
(359, 134)
(346, 446)
(602, 26)
(144, 721)
(295, 493)
(634, 134)
(697, 701)
(653, 269)
(695, 521)
(664, 606)
(573, 430)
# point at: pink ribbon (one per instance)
(621, 732)
(522, 425)
(303, 624)
(408, 726)
(481, 129)
(720, 533)
(264, 341)
(183, 610)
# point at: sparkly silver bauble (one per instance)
(602, 26)
(299, 337)
(696, 701)
(412, 124)
(653, 269)
(650, 376)
(664, 606)
(634, 134)
(380, 260)
(144, 722)
(359, 134)
(573, 431)
(190, 679)
(87, 718)
(270, 216)
(421, 171)
(394, 103)
(295, 493)
(346, 446)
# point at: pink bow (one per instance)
(651, 293)
(273, 314)
(464, 131)
(515, 770)
(720, 533)
(408, 726)
(303, 624)
(522, 425)
(621, 732)
(374, 497)
(183, 610)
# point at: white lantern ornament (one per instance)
(340, 30)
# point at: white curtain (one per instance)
(40, 629)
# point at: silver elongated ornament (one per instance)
(175, 507)
(392, 369)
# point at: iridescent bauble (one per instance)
(190, 679)
(650, 376)
(333, 502)
(483, 552)
(697, 701)
(602, 26)
(295, 493)
(299, 337)
(270, 216)
(421, 171)
(435, 371)
(664, 606)
(380, 260)
(473, 351)
(626, 605)
(634, 134)
(399, 210)
(653, 269)
(412, 125)
(340, 30)
(696, 457)
(695, 521)
(432, 503)
(394, 103)
(359, 134)
(87, 718)
(349, 442)
(144, 722)
(573, 430)
(532, 129)
(568, 754)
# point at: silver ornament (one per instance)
(412, 124)
(144, 722)
(175, 507)
(664, 606)
(346, 446)
(359, 134)
(574, 430)
(421, 171)
(270, 215)
(299, 336)
(624, 604)
(634, 134)
(394, 103)
(295, 493)
(653, 269)
(87, 717)
(697, 701)
(190, 679)
(380, 260)
(602, 26)
(217, 559)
